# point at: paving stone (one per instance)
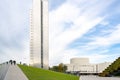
(98, 78)
(15, 73)
(3, 71)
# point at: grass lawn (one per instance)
(39, 74)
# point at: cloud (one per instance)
(54, 4)
(101, 48)
(98, 58)
(107, 40)
(14, 29)
(20, 55)
(71, 21)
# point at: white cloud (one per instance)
(107, 40)
(100, 58)
(103, 43)
(68, 22)
(82, 19)
(16, 53)
(14, 29)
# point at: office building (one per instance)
(39, 34)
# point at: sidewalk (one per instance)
(15, 73)
(3, 71)
(98, 78)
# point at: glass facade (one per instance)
(39, 34)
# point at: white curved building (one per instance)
(81, 61)
(83, 65)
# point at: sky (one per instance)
(77, 28)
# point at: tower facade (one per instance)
(39, 34)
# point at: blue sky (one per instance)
(77, 28)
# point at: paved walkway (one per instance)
(15, 73)
(3, 71)
(98, 78)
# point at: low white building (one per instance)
(83, 65)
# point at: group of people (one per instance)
(12, 62)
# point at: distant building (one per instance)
(83, 66)
(39, 34)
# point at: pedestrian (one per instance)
(14, 62)
(10, 62)
(7, 62)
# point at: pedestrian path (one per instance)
(3, 71)
(15, 73)
(98, 78)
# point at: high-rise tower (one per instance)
(39, 34)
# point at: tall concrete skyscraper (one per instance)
(39, 34)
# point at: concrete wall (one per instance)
(103, 66)
(79, 61)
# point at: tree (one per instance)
(54, 68)
(60, 68)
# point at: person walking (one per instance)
(11, 62)
(6, 62)
(14, 62)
